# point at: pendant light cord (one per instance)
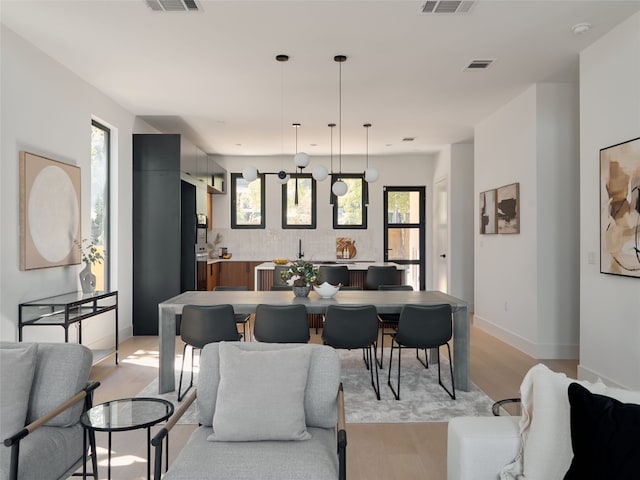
(340, 117)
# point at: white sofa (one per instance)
(534, 446)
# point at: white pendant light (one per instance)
(250, 173)
(370, 173)
(301, 159)
(340, 188)
(320, 173)
(282, 177)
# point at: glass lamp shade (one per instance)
(320, 173)
(301, 159)
(250, 173)
(339, 188)
(282, 177)
(371, 175)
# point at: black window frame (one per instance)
(107, 203)
(314, 204)
(234, 224)
(364, 200)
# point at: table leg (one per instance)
(148, 453)
(461, 346)
(167, 349)
(84, 454)
(109, 458)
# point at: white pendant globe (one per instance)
(320, 173)
(371, 175)
(301, 159)
(250, 173)
(339, 188)
(282, 177)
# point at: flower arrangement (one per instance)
(300, 274)
(90, 252)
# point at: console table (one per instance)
(69, 308)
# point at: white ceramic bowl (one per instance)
(326, 290)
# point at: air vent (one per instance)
(479, 64)
(446, 6)
(173, 5)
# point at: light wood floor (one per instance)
(375, 451)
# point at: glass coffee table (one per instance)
(126, 414)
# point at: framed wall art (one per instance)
(488, 217)
(508, 203)
(620, 209)
(49, 212)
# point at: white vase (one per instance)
(87, 279)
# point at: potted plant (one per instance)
(300, 276)
(90, 256)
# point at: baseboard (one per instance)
(535, 350)
(585, 373)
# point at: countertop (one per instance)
(351, 265)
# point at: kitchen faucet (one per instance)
(300, 252)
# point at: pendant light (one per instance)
(282, 177)
(370, 173)
(339, 188)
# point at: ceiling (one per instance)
(212, 75)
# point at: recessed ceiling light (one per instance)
(408, 139)
(313, 144)
(238, 144)
(580, 28)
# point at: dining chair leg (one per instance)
(426, 359)
(374, 363)
(381, 346)
(364, 358)
(184, 352)
(453, 384)
(395, 394)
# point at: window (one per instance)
(350, 210)
(303, 213)
(100, 164)
(247, 202)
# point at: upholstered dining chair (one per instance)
(201, 325)
(333, 274)
(388, 322)
(380, 275)
(422, 327)
(281, 324)
(241, 318)
(353, 327)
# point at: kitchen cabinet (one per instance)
(213, 272)
(237, 274)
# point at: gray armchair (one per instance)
(317, 453)
(44, 392)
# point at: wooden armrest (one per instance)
(495, 408)
(164, 431)
(81, 395)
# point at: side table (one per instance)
(123, 415)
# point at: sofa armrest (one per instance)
(342, 437)
(478, 447)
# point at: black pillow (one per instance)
(605, 436)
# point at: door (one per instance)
(441, 265)
(404, 231)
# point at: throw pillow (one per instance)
(545, 432)
(261, 395)
(604, 436)
(18, 365)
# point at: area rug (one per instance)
(421, 397)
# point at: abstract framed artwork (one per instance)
(488, 217)
(508, 203)
(620, 209)
(49, 212)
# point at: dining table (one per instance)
(245, 302)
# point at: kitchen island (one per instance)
(357, 272)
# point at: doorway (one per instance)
(404, 231)
(441, 261)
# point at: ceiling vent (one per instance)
(173, 5)
(478, 65)
(446, 6)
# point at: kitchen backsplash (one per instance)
(319, 244)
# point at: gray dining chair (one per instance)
(423, 327)
(388, 322)
(201, 325)
(281, 324)
(354, 327)
(241, 318)
(380, 275)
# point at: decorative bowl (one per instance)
(326, 290)
(280, 261)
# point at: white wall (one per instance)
(609, 114)
(47, 110)
(531, 140)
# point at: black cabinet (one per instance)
(156, 226)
